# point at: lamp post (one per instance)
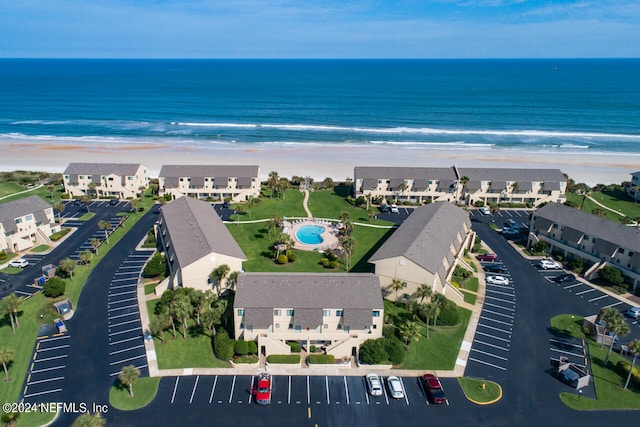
(579, 395)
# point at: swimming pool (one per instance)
(310, 234)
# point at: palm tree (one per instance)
(282, 187)
(618, 327)
(585, 192)
(134, 204)
(430, 311)
(142, 189)
(274, 223)
(86, 199)
(88, 420)
(634, 348)
(272, 182)
(182, 308)
(168, 317)
(396, 285)
(606, 314)
(403, 187)
(424, 291)
(232, 280)
(59, 208)
(9, 306)
(439, 300)
(128, 376)
(95, 243)
(370, 214)
(408, 331)
(51, 188)
(239, 210)
(218, 274)
(104, 225)
(636, 195)
(348, 246)
(6, 356)
(85, 256)
(92, 188)
(68, 265)
(250, 203)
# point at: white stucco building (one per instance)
(25, 223)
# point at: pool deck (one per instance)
(329, 236)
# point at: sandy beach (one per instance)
(317, 161)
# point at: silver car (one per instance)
(374, 385)
(395, 387)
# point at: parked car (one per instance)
(487, 257)
(374, 385)
(485, 211)
(567, 277)
(262, 392)
(434, 389)
(510, 232)
(633, 312)
(225, 205)
(114, 202)
(494, 268)
(546, 264)
(394, 209)
(395, 387)
(21, 263)
(77, 202)
(497, 280)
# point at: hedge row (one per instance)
(322, 359)
(283, 358)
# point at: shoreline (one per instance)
(315, 161)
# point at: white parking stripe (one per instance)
(122, 308)
(346, 389)
(500, 307)
(565, 343)
(42, 392)
(113, 374)
(614, 304)
(488, 364)
(128, 339)
(127, 360)
(175, 387)
(133, 291)
(509, 294)
(597, 298)
(46, 359)
(491, 345)
(122, 315)
(493, 337)
(122, 300)
(584, 292)
(573, 286)
(567, 352)
(126, 349)
(289, 393)
(496, 313)
(500, 299)
(123, 286)
(496, 329)
(326, 382)
(123, 332)
(193, 392)
(489, 354)
(233, 385)
(53, 348)
(45, 381)
(123, 323)
(213, 388)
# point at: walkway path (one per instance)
(22, 192)
(305, 204)
(605, 207)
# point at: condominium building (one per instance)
(219, 182)
(120, 180)
(425, 250)
(25, 223)
(460, 185)
(633, 189)
(195, 242)
(597, 240)
(338, 311)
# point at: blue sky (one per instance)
(319, 28)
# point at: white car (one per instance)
(546, 264)
(22, 263)
(497, 280)
(485, 211)
(394, 209)
(374, 385)
(395, 387)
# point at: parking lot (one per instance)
(289, 390)
(45, 376)
(126, 340)
(491, 342)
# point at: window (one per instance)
(346, 328)
(630, 253)
(375, 326)
(277, 325)
(339, 327)
(298, 328)
(339, 313)
(249, 328)
(276, 312)
(81, 176)
(18, 220)
(241, 312)
(30, 217)
(376, 313)
(289, 312)
(290, 325)
(326, 326)
(619, 249)
(241, 325)
(326, 313)
(129, 178)
(110, 178)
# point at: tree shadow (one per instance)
(363, 266)
(342, 189)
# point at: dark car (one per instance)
(564, 278)
(494, 268)
(225, 205)
(77, 202)
(114, 202)
(487, 257)
(434, 389)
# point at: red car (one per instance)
(434, 389)
(262, 393)
(487, 257)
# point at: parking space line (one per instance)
(565, 343)
(133, 291)
(308, 392)
(574, 285)
(499, 299)
(213, 388)
(122, 308)
(488, 364)
(424, 392)
(127, 360)
(501, 293)
(53, 348)
(289, 393)
(42, 392)
(493, 337)
(122, 300)
(500, 307)
(122, 315)
(496, 313)
(37, 371)
(233, 386)
(489, 354)
(122, 280)
(128, 339)
(404, 390)
(384, 389)
(124, 323)
(46, 359)
(122, 332)
(45, 381)
(122, 286)
(193, 392)
(597, 298)
(584, 292)
(175, 387)
(567, 352)
(113, 374)
(326, 383)
(251, 393)
(491, 345)
(614, 304)
(497, 321)
(496, 329)
(346, 389)
(126, 349)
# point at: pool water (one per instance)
(310, 234)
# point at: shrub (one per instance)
(250, 358)
(59, 234)
(156, 266)
(54, 287)
(623, 368)
(449, 315)
(395, 349)
(241, 347)
(321, 359)
(577, 265)
(478, 203)
(326, 263)
(3, 255)
(389, 331)
(292, 256)
(313, 349)
(372, 352)
(282, 259)
(461, 272)
(540, 247)
(283, 358)
(223, 346)
(295, 346)
(360, 201)
(612, 275)
(252, 347)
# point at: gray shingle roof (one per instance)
(519, 175)
(259, 318)
(402, 173)
(97, 169)
(9, 211)
(592, 225)
(308, 290)
(195, 230)
(426, 236)
(572, 235)
(202, 171)
(309, 317)
(551, 185)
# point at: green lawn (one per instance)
(441, 350)
(177, 353)
(144, 391)
(469, 297)
(7, 188)
(616, 200)
(608, 381)
(87, 216)
(290, 205)
(329, 204)
(40, 248)
(11, 270)
(480, 391)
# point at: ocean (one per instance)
(587, 106)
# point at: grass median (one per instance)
(479, 391)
